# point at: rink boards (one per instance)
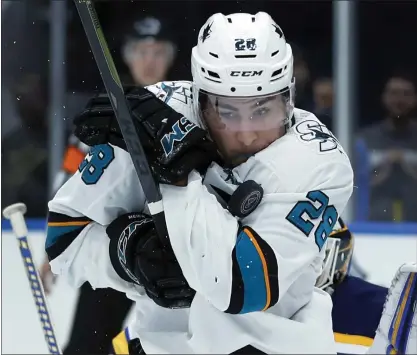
(379, 254)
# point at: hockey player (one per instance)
(361, 323)
(240, 277)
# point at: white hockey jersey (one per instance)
(274, 259)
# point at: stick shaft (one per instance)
(38, 296)
(15, 213)
(122, 112)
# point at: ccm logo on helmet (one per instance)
(246, 73)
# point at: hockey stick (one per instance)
(15, 214)
(121, 109)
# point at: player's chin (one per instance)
(257, 148)
(236, 157)
(240, 158)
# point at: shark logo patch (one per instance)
(314, 131)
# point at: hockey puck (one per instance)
(245, 199)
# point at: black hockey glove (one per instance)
(138, 256)
(173, 145)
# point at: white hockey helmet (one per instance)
(242, 55)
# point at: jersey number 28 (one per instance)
(317, 207)
(92, 167)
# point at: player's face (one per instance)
(149, 61)
(242, 127)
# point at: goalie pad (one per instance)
(397, 330)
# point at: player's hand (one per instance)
(173, 144)
(47, 277)
(137, 255)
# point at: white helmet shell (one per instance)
(242, 55)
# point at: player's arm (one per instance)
(73, 156)
(106, 187)
(103, 186)
(77, 243)
(248, 265)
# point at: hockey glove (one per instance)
(173, 145)
(138, 256)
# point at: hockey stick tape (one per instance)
(15, 214)
(156, 207)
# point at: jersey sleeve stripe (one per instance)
(68, 224)
(255, 282)
(398, 325)
(264, 267)
(55, 233)
(60, 234)
(57, 219)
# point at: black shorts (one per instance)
(99, 317)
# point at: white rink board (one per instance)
(380, 256)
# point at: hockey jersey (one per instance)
(357, 310)
(254, 285)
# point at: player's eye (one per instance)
(260, 112)
(229, 115)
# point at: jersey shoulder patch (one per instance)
(309, 130)
(306, 148)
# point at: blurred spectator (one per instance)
(391, 146)
(149, 51)
(323, 100)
